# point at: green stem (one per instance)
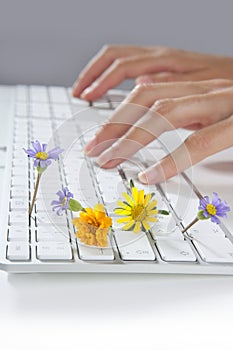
(35, 193)
(191, 224)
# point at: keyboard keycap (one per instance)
(58, 94)
(19, 204)
(21, 109)
(18, 217)
(21, 93)
(211, 243)
(165, 226)
(134, 246)
(44, 219)
(175, 250)
(18, 251)
(54, 251)
(50, 233)
(182, 199)
(20, 181)
(19, 192)
(38, 94)
(40, 110)
(90, 253)
(18, 233)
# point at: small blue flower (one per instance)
(42, 158)
(63, 202)
(213, 209)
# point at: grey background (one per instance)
(48, 42)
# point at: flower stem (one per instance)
(35, 193)
(191, 224)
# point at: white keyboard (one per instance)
(47, 243)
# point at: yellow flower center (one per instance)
(138, 212)
(211, 209)
(42, 155)
(63, 203)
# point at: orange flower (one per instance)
(93, 226)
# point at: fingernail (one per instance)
(104, 157)
(89, 146)
(88, 90)
(149, 176)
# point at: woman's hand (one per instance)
(152, 109)
(113, 64)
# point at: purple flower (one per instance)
(213, 209)
(63, 202)
(42, 158)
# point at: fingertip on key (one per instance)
(89, 147)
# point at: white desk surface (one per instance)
(90, 311)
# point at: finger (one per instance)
(195, 75)
(197, 147)
(135, 106)
(129, 67)
(100, 62)
(167, 115)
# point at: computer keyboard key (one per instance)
(16, 171)
(18, 233)
(204, 229)
(20, 204)
(166, 226)
(175, 250)
(21, 93)
(19, 192)
(21, 109)
(18, 217)
(213, 248)
(61, 111)
(20, 181)
(134, 246)
(90, 253)
(58, 94)
(20, 162)
(54, 251)
(38, 94)
(40, 110)
(18, 251)
(44, 219)
(52, 234)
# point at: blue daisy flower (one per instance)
(63, 202)
(213, 209)
(42, 157)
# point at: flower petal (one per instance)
(37, 146)
(147, 199)
(146, 225)
(128, 225)
(128, 198)
(141, 197)
(120, 211)
(125, 219)
(30, 152)
(137, 227)
(135, 194)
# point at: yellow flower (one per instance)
(93, 226)
(138, 210)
